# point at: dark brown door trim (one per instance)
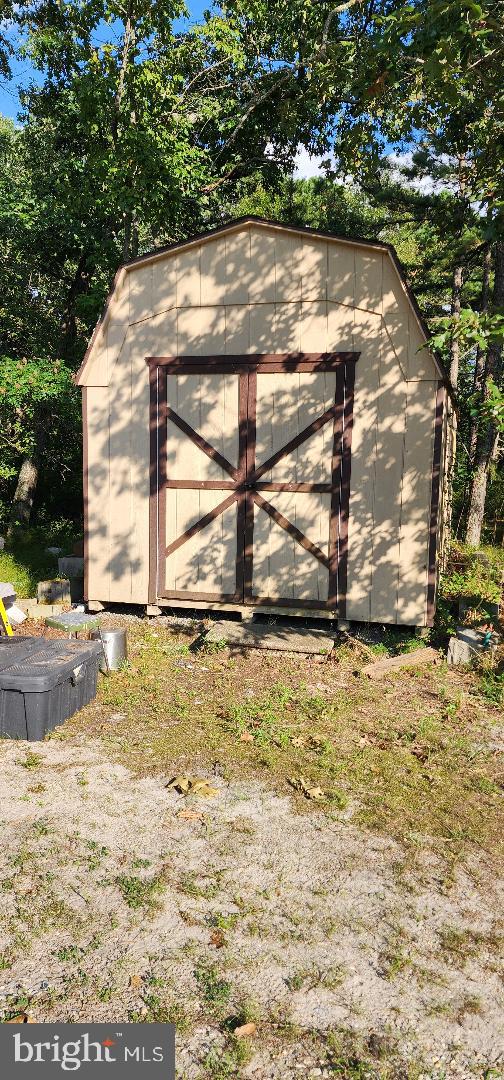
(273, 362)
(245, 490)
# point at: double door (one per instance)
(250, 477)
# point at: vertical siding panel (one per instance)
(120, 507)
(341, 274)
(213, 272)
(361, 524)
(340, 328)
(146, 339)
(314, 270)
(139, 282)
(238, 267)
(262, 286)
(187, 268)
(262, 328)
(288, 264)
(313, 326)
(164, 284)
(237, 321)
(368, 280)
(416, 489)
(387, 502)
(98, 493)
(361, 331)
(201, 331)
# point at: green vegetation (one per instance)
(475, 575)
(135, 132)
(24, 561)
(215, 990)
(407, 755)
(140, 892)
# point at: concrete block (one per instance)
(54, 591)
(277, 638)
(71, 566)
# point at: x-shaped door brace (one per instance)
(245, 483)
(248, 483)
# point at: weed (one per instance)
(492, 687)
(225, 1063)
(223, 922)
(31, 760)
(216, 991)
(140, 892)
(210, 647)
(41, 828)
(471, 1005)
(189, 885)
(394, 962)
(69, 953)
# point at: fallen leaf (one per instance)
(191, 815)
(245, 1029)
(188, 785)
(136, 982)
(246, 737)
(300, 784)
(217, 938)
(202, 787)
(314, 793)
(21, 1018)
(310, 742)
(181, 784)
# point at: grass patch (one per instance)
(225, 1063)
(25, 562)
(215, 990)
(408, 755)
(140, 892)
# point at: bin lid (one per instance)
(35, 665)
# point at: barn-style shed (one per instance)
(264, 428)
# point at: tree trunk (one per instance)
(24, 495)
(479, 367)
(68, 324)
(454, 345)
(486, 441)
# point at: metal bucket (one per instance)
(114, 645)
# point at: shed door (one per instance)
(253, 482)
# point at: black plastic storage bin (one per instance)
(43, 682)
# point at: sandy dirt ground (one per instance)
(120, 898)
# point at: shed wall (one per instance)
(262, 290)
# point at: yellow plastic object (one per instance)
(5, 626)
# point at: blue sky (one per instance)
(23, 73)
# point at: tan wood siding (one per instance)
(98, 484)
(257, 289)
(415, 497)
(282, 568)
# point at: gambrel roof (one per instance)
(118, 305)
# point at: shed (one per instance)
(264, 428)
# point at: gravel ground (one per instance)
(121, 899)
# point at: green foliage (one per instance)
(24, 562)
(216, 991)
(492, 686)
(475, 575)
(140, 892)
